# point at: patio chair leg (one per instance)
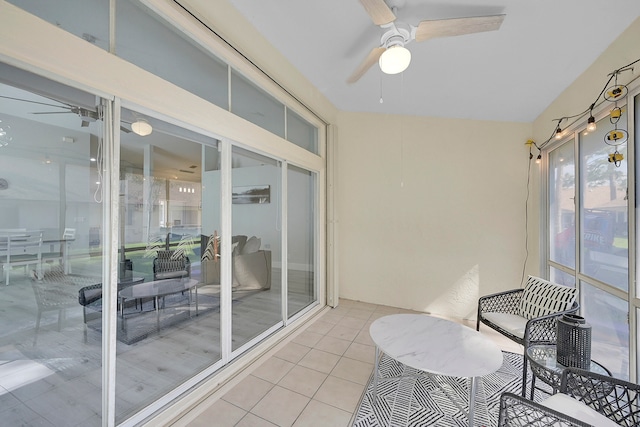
(524, 376)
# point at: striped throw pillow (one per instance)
(541, 297)
(209, 253)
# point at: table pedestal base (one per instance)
(472, 392)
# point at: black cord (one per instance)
(526, 223)
(612, 75)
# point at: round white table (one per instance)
(437, 346)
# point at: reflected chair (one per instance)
(57, 292)
(23, 249)
(171, 265)
(528, 315)
(68, 236)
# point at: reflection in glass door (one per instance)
(169, 320)
(51, 251)
(256, 246)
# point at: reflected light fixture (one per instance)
(141, 127)
(395, 59)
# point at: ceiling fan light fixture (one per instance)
(395, 59)
(141, 127)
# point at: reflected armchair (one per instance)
(171, 265)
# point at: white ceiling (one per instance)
(511, 74)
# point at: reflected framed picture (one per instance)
(250, 194)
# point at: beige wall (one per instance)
(456, 228)
(431, 211)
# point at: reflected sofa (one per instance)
(251, 265)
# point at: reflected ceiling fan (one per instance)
(391, 55)
(86, 116)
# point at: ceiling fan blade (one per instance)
(457, 26)
(379, 12)
(364, 66)
(52, 112)
(33, 102)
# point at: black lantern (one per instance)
(574, 342)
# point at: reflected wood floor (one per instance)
(57, 382)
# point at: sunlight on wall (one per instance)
(461, 299)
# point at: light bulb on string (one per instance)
(558, 133)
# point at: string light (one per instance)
(612, 94)
(558, 133)
(531, 143)
(591, 124)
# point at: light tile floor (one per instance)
(315, 379)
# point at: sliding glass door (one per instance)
(169, 318)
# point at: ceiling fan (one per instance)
(87, 116)
(391, 55)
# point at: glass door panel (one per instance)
(50, 202)
(604, 211)
(169, 319)
(562, 209)
(88, 19)
(562, 278)
(301, 289)
(608, 317)
(256, 245)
